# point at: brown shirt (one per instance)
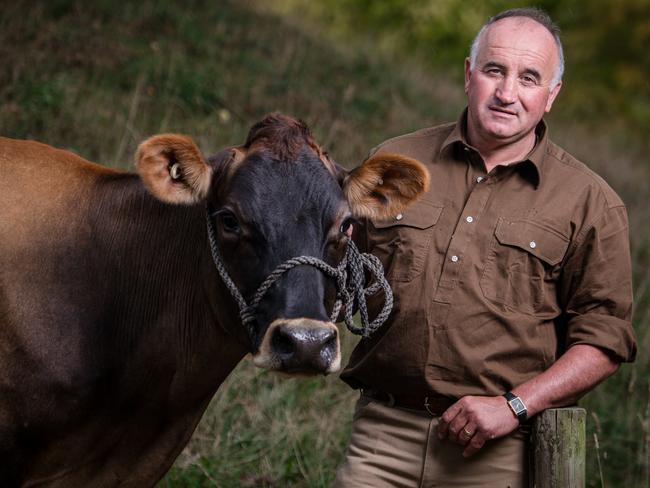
(495, 274)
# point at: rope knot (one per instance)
(349, 277)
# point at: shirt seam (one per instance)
(579, 240)
(418, 134)
(569, 161)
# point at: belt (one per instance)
(433, 404)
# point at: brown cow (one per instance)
(115, 327)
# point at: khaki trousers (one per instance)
(395, 447)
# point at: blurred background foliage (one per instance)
(606, 43)
(99, 77)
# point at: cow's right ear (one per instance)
(173, 169)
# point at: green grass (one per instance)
(265, 430)
(99, 77)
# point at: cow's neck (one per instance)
(142, 348)
(164, 293)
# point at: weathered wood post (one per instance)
(558, 449)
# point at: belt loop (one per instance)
(391, 400)
(426, 405)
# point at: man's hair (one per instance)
(538, 16)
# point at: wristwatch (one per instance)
(517, 406)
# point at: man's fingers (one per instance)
(475, 444)
(446, 418)
(456, 427)
(466, 433)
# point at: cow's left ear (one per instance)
(173, 169)
(384, 185)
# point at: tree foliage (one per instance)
(607, 64)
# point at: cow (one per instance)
(116, 328)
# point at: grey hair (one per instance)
(538, 16)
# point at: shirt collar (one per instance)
(458, 136)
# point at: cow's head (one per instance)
(276, 197)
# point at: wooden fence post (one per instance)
(558, 449)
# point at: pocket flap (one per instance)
(540, 241)
(421, 216)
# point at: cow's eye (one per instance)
(228, 221)
(346, 226)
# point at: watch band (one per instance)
(517, 406)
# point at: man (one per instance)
(512, 282)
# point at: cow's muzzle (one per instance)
(300, 346)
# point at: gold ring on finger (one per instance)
(467, 433)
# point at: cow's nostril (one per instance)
(283, 343)
(330, 347)
(329, 338)
(304, 347)
(331, 343)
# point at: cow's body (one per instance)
(115, 328)
(99, 280)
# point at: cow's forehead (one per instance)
(305, 174)
(307, 150)
(285, 138)
(238, 157)
(263, 184)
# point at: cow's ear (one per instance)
(384, 185)
(173, 169)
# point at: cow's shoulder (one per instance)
(46, 194)
(36, 158)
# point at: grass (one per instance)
(263, 430)
(99, 77)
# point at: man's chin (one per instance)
(501, 132)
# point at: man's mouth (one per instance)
(502, 110)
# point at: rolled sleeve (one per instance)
(596, 287)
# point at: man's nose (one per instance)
(506, 91)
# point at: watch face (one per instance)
(517, 405)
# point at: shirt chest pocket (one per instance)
(521, 268)
(403, 243)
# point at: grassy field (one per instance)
(98, 77)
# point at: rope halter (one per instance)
(349, 276)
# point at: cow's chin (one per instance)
(300, 347)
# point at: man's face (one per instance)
(509, 89)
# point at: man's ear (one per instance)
(468, 74)
(384, 185)
(552, 95)
(173, 169)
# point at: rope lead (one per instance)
(349, 276)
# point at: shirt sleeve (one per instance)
(596, 287)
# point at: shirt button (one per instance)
(454, 258)
(479, 179)
(470, 219)
(532, 244)
(399, 217)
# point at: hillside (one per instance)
(98, 78)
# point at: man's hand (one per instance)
(473, 420)
(483, 418)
